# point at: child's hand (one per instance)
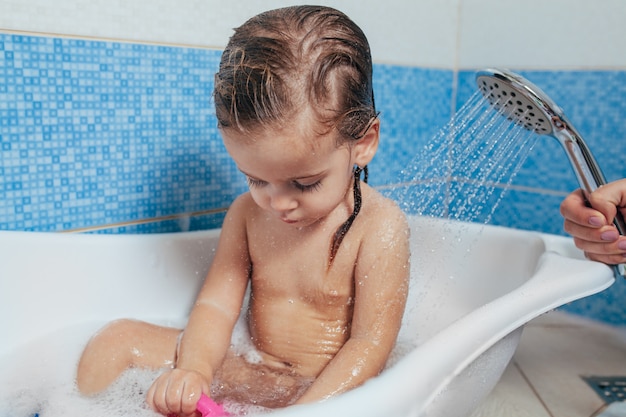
(177, 392)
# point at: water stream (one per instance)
(464, 171)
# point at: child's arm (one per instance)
(381, 286)
(207, 336)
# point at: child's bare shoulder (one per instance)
(382, 214)
(240, 213)
(243, 206)
(384, 245)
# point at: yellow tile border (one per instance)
(145, 221)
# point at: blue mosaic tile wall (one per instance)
(95, 133)
(121, 138)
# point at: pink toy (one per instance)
(209, 408)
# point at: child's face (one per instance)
(295, 174)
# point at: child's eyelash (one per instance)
(252, 182)
(309, 187)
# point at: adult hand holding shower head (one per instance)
(525, 104)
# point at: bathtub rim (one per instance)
(558, 250)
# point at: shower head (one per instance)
(520, 101)
(526, 105)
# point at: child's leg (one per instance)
(121, 345)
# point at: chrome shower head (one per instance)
(520, 101)
(525, 104)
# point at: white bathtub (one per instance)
(473, 288)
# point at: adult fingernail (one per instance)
(596, 221)
(621, 245)
(609, 235)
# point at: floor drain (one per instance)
(609, 388)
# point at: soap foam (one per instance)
(39, 378)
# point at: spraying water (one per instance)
(463, 172)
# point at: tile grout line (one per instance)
(144, 221)
(532, 387)
(599, 410)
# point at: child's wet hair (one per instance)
(286, 60)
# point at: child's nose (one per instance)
(282, 200)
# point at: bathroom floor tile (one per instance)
(554, 354)
(544, 378)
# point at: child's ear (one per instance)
(366, 147)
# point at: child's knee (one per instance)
(112, 343)
(113, 336)
(121, 328)
(134, 343)
(106, 355)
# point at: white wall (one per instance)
(543, 34)
(450, 34)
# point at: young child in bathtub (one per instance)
(325, 254)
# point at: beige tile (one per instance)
(512, 397)
(556, 350)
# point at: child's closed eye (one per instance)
(308, 187)
(256, 183)
(253, 182)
